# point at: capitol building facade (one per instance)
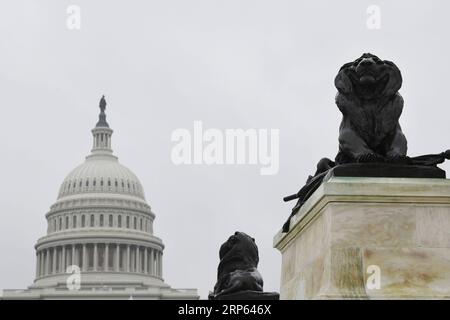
(100, 242)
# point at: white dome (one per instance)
(101, 174)
(102, 224)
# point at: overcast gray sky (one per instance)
(164, 64)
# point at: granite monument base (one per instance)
(369, 238)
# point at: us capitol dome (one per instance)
(100, 242)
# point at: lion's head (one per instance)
(369, 77)
(238, 252)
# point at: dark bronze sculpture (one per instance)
(237, 274)
(371, 141)
(102, 116)
(102, 104)
(371, 107)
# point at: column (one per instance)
(54, 260)
(117, 261)
(38, 271)
(128, 258)
(158, 260)
(42, 263)
(145, 260)
(157, 263)
(58, 260)
(72, 258)
(152, 262)
(136, 269)
(160, 264)
(37, 264)
(85, 262)
(106, 260)
(95, 257)
(47, 261)
(63, 263)
(42, 269)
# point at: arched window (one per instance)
(119, 221)
(87, 182)
(128, 221)
(101, 220)
(110, 220)
(60, 223)
(92, 220)
(116, 183)
(140, 224)
(109, 183)
(83, 221)
(67, 223)
(101, 182)
(74, 221)
(134, 223)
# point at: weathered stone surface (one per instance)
(372, 224)
(288, 260)
(410, 272)
(347, 280)
(433, 226)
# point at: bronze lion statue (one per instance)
(371, 107)
(371, 140)
(237, 268)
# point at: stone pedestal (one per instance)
(355, 233)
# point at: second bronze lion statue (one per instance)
(237, 275)
(237, 268)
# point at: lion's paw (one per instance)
(370, 158)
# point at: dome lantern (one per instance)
(102, 133)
